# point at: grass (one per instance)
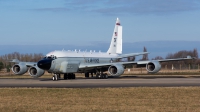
(140, 99)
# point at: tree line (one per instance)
(192, 64)
(35, 57)
(5, 59)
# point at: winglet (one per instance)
(189, 57)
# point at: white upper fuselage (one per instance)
(82, 54)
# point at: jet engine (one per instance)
(153, 67)
(35, 72)
(19, 69)
(116, 70)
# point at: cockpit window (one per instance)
(50, 57)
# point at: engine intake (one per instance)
(153, 67)
(35, 72)
(19, 69)
(116, 70)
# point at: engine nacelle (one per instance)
(116, 70)
(19, 69)
(35, 72)
(153, 67)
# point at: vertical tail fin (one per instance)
(116, 41)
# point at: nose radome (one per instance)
(44, 64)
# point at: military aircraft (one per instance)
(71, 62)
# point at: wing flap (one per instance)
(131, 54)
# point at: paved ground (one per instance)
(134, 81)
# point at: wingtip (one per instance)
(189, 57)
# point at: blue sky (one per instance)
(87, 22)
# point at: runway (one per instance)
(101, 83)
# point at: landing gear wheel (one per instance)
(86, 74)
(58, 76)
(73, 76)
(53, 78)
(98, 76)
(106, 76)
(102, 76)
(69, 76)
(65, 76)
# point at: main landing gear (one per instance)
(69, 76)
(66, 76)
(101, 76)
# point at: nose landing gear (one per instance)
(55, 77)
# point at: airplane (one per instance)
(70, 62)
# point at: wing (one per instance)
(28, 64)
(131, 54)
(132, 62)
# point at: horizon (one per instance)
(155, 48)
(85, 24)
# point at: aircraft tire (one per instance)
(106, 76)
(53, 78)
(58, 76)
(69, 76)
(86, 74)
(98, 76)
(73, 76)
(65, 76)
(102, 76)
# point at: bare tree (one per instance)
(22, 57)
(145, 56)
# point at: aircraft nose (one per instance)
(44, 64)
